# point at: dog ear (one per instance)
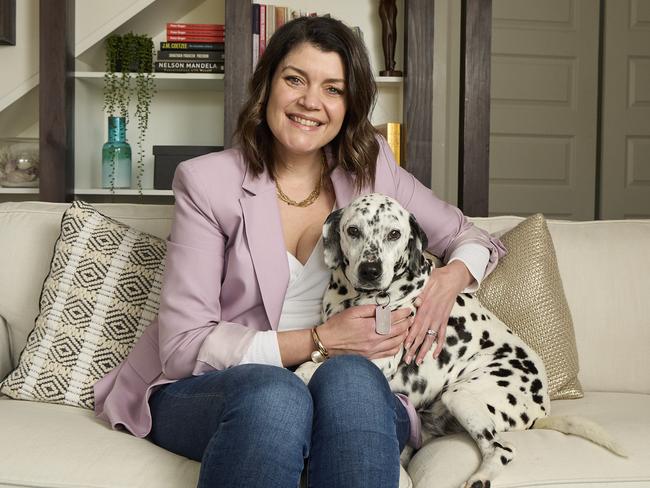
(332, 240)
(418, 242)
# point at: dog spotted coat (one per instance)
(485, 381)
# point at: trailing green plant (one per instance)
(126, 55)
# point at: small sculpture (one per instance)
(388, 16)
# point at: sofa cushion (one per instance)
(39, 441)
(49, 445)
(525, 291)
(101, 292)
(545, 458)
(604, 267)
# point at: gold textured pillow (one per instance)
(525, 291)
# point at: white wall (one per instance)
(20, 73)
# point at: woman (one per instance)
(245, 277)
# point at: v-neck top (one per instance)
(301, 308)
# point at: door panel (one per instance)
(625, 176)
(544, 107)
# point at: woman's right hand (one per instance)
(352, 331)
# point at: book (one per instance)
(191, 46)
(256, 33)
(174, 25)
(270, 22)
(262, 28)
(192, 55)
(190, 32)
(188, 67)
(392, 133)
(281, 14)
(196, 39)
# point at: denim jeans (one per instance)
(254, 426)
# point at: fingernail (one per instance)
(408, 345)
(407, 359)
(418, 362)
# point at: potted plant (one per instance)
(128, 56)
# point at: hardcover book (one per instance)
(174, 25)
(188, 67)
(196, 38)
(191, 46)
(191, 55)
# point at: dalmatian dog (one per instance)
(485, 381)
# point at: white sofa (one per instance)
(605, 268)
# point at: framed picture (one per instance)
(8, 22)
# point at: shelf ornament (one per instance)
(128, 56)
(388, 16)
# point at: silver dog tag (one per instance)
(382, 320)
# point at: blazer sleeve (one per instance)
(190, 309)
(445, 225)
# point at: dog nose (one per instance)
(370, 271)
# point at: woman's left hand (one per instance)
(434, 306)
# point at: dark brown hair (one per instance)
(354, 147)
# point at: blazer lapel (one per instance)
(266, 243)
(343, 185)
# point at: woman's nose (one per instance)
(310, 100)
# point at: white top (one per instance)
(307, 285)
(301, 308)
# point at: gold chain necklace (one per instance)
(312, 196)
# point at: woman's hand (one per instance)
(352, 331)
(434, 306)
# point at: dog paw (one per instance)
(306, 370)
(474, 483)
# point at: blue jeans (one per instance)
(254, 426)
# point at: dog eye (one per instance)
(354, 231)
(393, 235)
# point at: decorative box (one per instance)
(166, 158)
(19, 162)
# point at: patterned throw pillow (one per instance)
(525, 291)
(101, 292)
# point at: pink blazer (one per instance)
(226, 271)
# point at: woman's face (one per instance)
(306, 106)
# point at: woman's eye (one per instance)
(294, 80)
(354, 231)
(393, 235)
(332, 90)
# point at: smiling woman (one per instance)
(245, 277)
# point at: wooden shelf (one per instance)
(18, 191)
(388, 80)
(57, 66)
(123, 191)
(165, 81)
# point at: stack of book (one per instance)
(192, 48)
(268, 18)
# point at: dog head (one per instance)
(373, 240)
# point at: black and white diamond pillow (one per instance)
(102, 290)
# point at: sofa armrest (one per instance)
(5, 350)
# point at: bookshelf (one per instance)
(65, 102)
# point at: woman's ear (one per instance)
(332, 240)
(418, 242)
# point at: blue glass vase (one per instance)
(116, 156)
